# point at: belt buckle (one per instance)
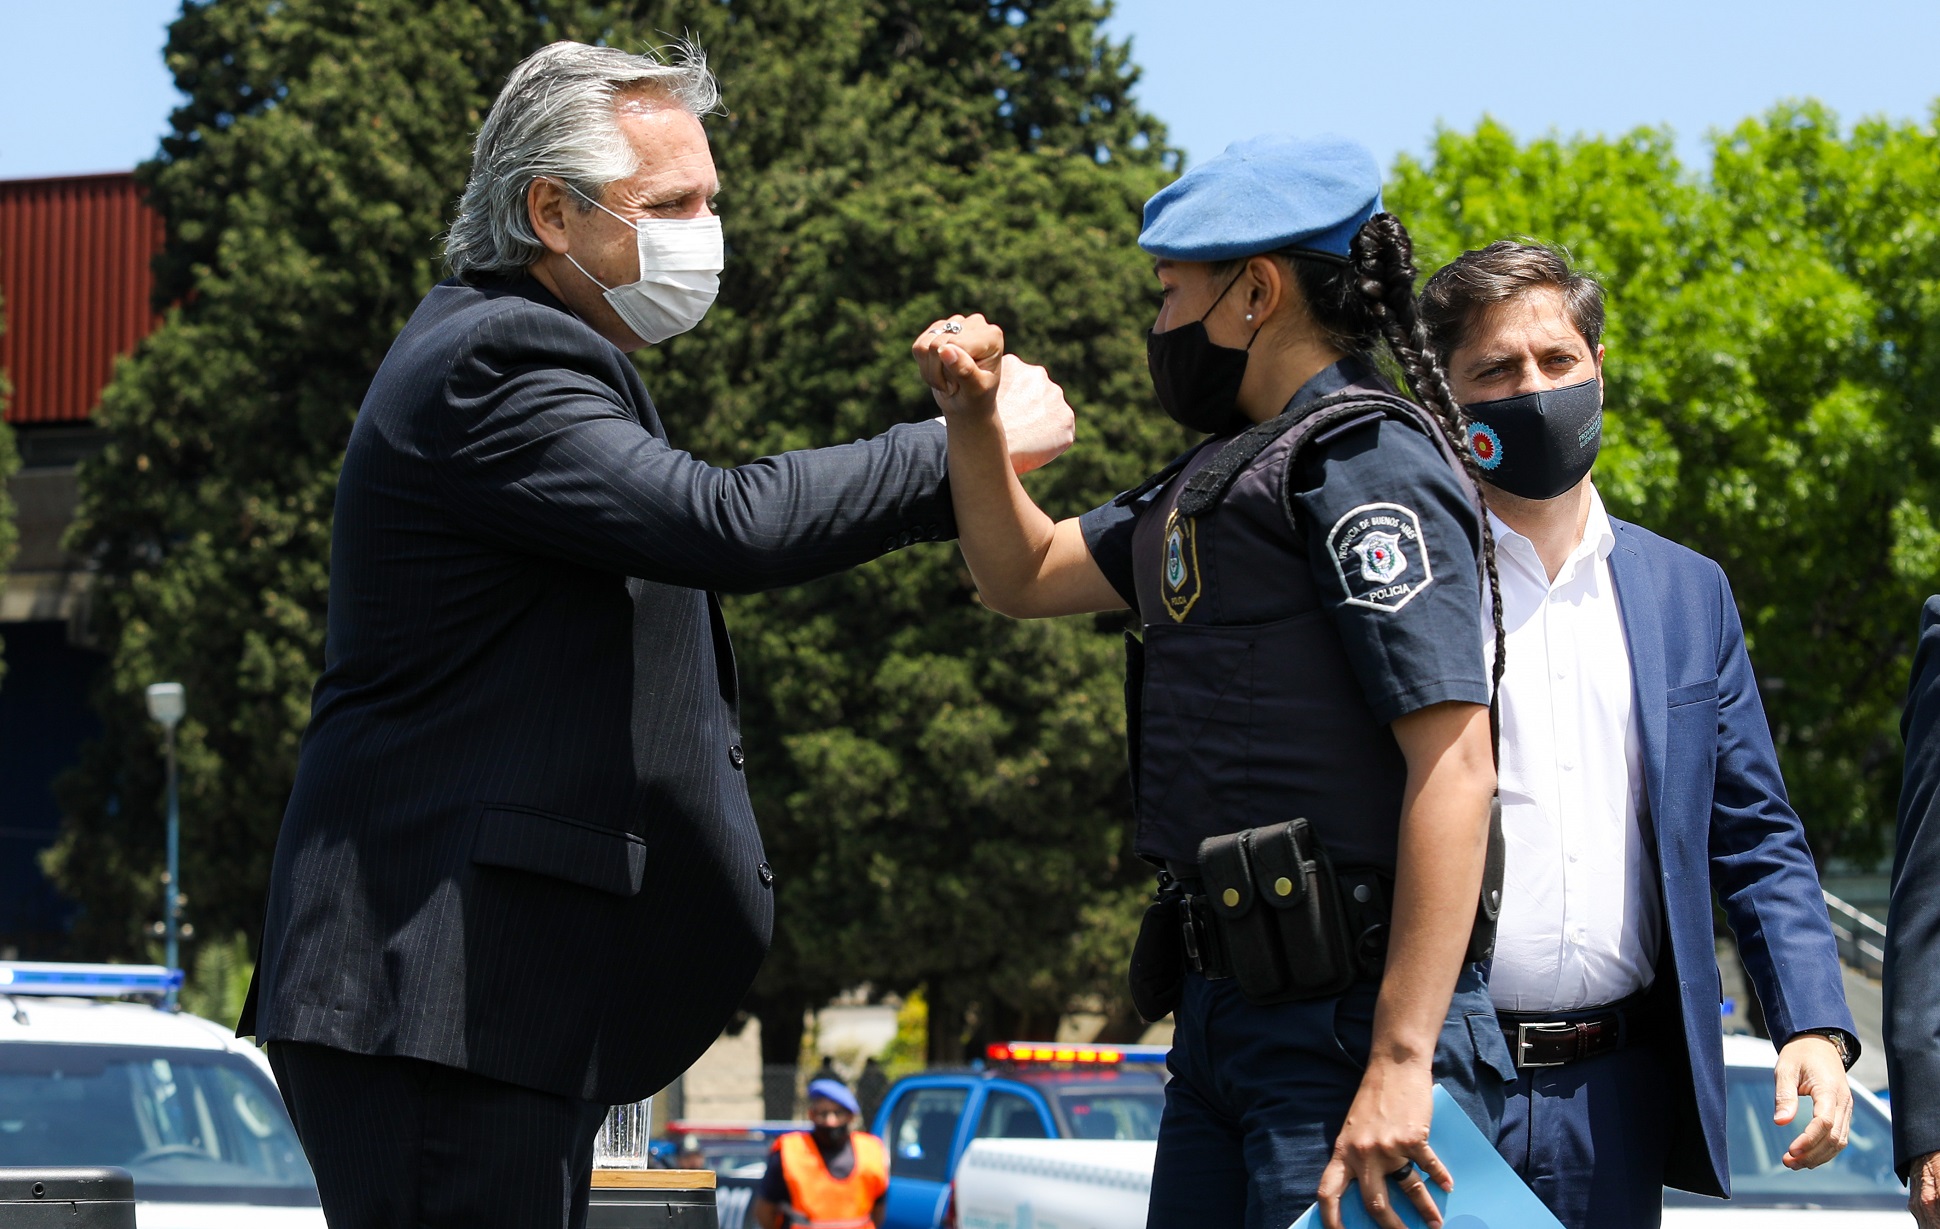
(1522, 1043)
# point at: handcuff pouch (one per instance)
(1158, 971)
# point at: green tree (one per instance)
(303, 185)
(941, 789)
(1772, 354)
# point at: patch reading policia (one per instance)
(1181, 569)
(1380, 556)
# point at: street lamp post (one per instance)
(166, 706)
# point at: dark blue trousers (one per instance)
(1258, 1094)
(1589, 1138)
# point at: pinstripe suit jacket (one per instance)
(520, 841)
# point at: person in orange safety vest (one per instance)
(830, 1177)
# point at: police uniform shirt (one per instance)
(1409, 650)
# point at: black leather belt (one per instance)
(1556, 1039)
(1204, 952)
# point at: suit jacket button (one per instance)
(767, 874)
(737, 757)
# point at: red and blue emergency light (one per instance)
(1056, 1052)
(146, 981)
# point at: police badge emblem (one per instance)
(1181, 571)
(1380, 556)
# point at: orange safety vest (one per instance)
(823, 1201)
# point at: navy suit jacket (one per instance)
(519, 840)
(1913, 922)
(1719, 821)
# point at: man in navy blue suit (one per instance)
(519, 877)
(1637, 777)
(1913, 938)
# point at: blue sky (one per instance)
(83, 88)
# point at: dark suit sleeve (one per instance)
(1760, 864)
(538, 454)
(1913, 922)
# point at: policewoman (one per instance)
(1309, 706)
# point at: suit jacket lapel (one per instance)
(1640, 608)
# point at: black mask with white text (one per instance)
(1540, 444)
(1197, 381)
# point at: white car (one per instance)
(1855, 1189)
(187, 1108)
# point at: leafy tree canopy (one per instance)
(936, 783)
(1774, 341)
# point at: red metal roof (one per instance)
(75, 282)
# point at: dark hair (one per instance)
(1369, 299)
(1475, 281)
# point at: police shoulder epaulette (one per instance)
(1206, 488)
(1126, 499)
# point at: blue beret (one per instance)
(1265, 194)
(835, 1091)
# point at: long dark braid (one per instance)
(1377, 288)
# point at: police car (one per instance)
(1012, 1183)
(1856, 1188)
(178, 1101)
(1026, 1090)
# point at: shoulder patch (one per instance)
(1380, 556)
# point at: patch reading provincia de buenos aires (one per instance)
(1179, 587)
(1380, 556)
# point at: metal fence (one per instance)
(1861, 937)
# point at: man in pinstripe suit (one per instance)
(522, 780)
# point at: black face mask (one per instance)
(1540, 444)
(1197, 381)
(830, 1140)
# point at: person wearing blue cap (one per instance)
(828, 1177)
(1308, 706)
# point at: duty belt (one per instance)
(1365, 896)
(1556, 1039)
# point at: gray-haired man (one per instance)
(522, 780)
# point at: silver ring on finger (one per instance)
(954, 326)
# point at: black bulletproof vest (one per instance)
(1244, 710)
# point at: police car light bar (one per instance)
(767, 1128)
(1052, 1052)
(88, 980)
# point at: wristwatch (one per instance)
(1847, 1046)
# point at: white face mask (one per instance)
(680, 274)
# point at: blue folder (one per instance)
(1487, 1195)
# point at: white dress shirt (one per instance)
(1580, 913)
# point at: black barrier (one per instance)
(628, 1207)
(95, 1197)
(736, 1201)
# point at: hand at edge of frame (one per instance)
(1809, 1065)
(1387, 1127)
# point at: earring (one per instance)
(1249, 317)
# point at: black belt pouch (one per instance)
(1278, 909)
(1159, 959)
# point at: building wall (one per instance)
(74, 275)
(44, 719)
(75, 289)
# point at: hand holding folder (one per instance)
(1487, 1194)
